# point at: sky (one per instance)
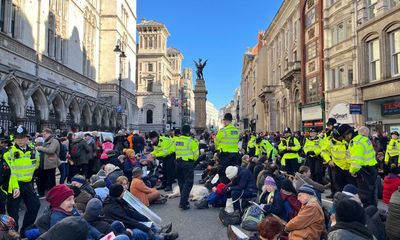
(218, 30)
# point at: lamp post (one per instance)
(119, 49)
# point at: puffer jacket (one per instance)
(350, 231)
(68, 228)
(393, 219)
(390, 184)
(106, 146)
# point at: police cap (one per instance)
(21, 131)
(153, 134)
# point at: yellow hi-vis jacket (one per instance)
(252, 143)
(227, 139)
(264, 148)
(337, 152)
(164, 147)
(392, 150)
(186, 148)
(293, 153)
(22, 165)
(362, 153)
(312, 145)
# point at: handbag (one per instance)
(229, 218)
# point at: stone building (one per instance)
(188, 97)
(378, 40)
(58, 68)
(213, 120)
(159, 87)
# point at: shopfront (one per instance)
(385, 112)
(312, 118)
(341, 112)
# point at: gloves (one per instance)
(32, 233)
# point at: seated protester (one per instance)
(375, 219)
(391, 183)
(122, 180)
(145, 194)
(309, 222)
(207, 172)
(115, 208)
(112, 158)
(270, 228)
(242, 185)
(383, 169)
(349, 192)
(290, 202)
(272, 170)
(99, 186)
(80, 182)
(393, 218)
(61, 200)
(106, 146)
(304, 176)
(112, 173)
(8, 228)
(72, 227)
(270, 199)
(81, 198)
(350, 222)
(260, 164)
(129, 162)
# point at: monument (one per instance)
(200, 98)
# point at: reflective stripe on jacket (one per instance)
(164, 147)
(362, 153)
(392, 149)
(186, 148)
(313, 145)
(227, 139)
(337, 152)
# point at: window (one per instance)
(150, 67)
(374, 63)
(310, 4)
(13, 20)
(395, 52)
(372, 9)
(394, 3)
(2, 10)
(151, 43)
(311, 51)
(311, 33)
(310, 18)
(350, 75)
(89, 43)
(312, 89)
(149, 116)
(340, 33)
(51, 37)
(149, 86)
(341, 76)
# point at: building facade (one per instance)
(378, 39)
(188, 97)
(160, 80)
(52, 72)
(213, 121)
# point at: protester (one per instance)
(309, 223)
(289, 198)
(242, 185)
(393, 217)
(270, 199)
(81, 198)
(139, 189)
(112, 172)
(79, 152)
(99, 186)
(270, 228)
(64, 155)
(304, 176)
(391, 183)
(80, 182)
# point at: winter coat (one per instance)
(275, 206)
(99, 223)
(300, 179)
(102, 193)
(138, 143)
(49, 156)
(58, 214)
(140, 190)
(308, 224)
(339, 196)
(86, 187)
(120, 143)
(291, 202)
(393, 219)
(112, 176)
(390, 184)
(118, 209)
(106, 146)
(84, 151)
(375, 223)
(244, 181)
(69, 228)
(349, 231)
(81, 201)
(127, 168)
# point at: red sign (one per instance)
(319, 123)
(308, 124)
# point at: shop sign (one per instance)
(311, 113)
(308, 124)
(356, 109)
(390, 108)
(319, 123)
(341, 112)
(394, 128)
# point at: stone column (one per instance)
(200, 98)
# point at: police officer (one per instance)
(325, 141)
(289, 148)
(312, 150)
(251, 145)
(335, 155)
(8, 182)
(164, 150)
(264, 147)
(23, 161)
(226, 143)
(187, 152)
(362, 163)
(393, 150)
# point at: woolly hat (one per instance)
(269, 181)
(137, 172)
(231, 172)
(116, 190)
(58, 194)
(79, 178)
(7, 223)
(307, 188)
(350, 188)
(348, 210)
(94, 208)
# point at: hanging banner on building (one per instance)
(341, 112)
(390, 108)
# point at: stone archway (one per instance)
(74, 115)
(105, 119)
(113, 120)
(96, 118)
(86, 117)
(16, 99)
(36, 112)
(57, 113)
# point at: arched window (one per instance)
(149, 116)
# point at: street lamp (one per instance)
(119, 49)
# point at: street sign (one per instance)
(120, 109)
(355, 109)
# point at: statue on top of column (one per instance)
(200, 66)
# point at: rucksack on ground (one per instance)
(252, 216)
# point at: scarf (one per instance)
(270, 198)
(355, 228)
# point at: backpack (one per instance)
(229, 218)
(75, 151)
(252, 216)
(63, 152)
